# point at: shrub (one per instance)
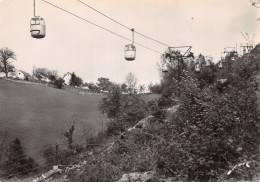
(17, 162)
(58, 83)
(211, 131)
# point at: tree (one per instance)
(93, 87)
(123, 109)
(141, 88)
(17, 161)
(156, 89)
(69, 135)
(58, 83)
(124, 87)
(5, 63)
(104, 84)
(131, 81)
(75, 80)
(40, 73)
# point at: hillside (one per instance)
(39, 115)
(210, 134)
(192, 133)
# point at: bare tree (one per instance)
(5, 63)
(131, 81)
(141, 88)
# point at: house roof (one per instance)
(66, 74)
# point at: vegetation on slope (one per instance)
(214, 128)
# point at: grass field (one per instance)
(39, 115)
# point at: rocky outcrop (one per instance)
(172, 110)
(137, 177)
(143, 123)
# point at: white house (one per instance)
(16, 74)
(19, 74)
(67, 78)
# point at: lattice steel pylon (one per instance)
(249, 45)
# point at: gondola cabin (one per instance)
(38, 28)
(130, 52)
(197, 68)
(164, 68)
(220, 65)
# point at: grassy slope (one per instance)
(39, 115)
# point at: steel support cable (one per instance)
(43, 166)
(53, 161)
(31, 152)
(122, 24)
(34, 162)
(99, 26)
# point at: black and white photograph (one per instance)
(129, 90)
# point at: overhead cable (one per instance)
(123, 24)
(100, 26)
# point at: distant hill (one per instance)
(39, 115)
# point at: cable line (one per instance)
(100, 26)
(48, 163)
(43, 166)
(123, 25)
(31, 152)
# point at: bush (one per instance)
(59, 83)
(17, 162)
(211, 131)
(125, 110)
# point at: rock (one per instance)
(137, 177)
(172, 109)
(142, 123)
(167, 180)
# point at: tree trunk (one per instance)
(5, 65)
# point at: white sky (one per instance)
(73, 45)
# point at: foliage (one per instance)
(94, 87)
(212, 131)
(42, 73)
(131, 81)
(49, 153)
(55, 154)
(5, 63)
(17, 162)
(104, 84)
(156, 88)
(215, 127)
(69, 135)
(59, 83)
(124, 109)
(206, 76)
(75, 80)
(124, 87)
(141, 88)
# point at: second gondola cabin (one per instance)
(130, 52)
(38, 28)
(197, 68)
(164, 68)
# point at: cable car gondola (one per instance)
(38, 28)
(197, 68)
(220, 65)
(164, 64)
(164, 68)
(130, 50)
